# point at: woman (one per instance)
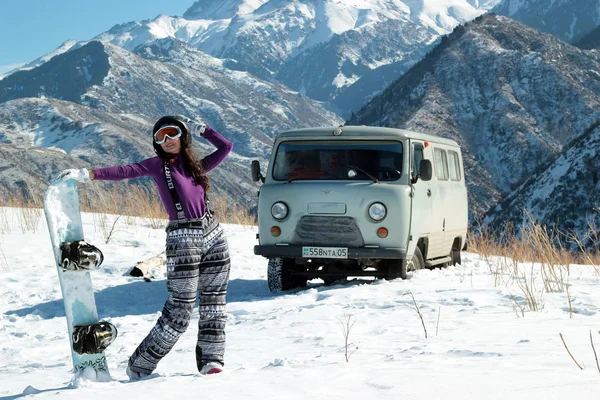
(197, 251)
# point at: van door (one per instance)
(442, 204)
(457, 220)
(420, 224)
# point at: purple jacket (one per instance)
(191, 195)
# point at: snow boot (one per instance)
(80, 255)
(94, 338)
(133, 375)
(211, 368)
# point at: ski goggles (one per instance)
(170, 131)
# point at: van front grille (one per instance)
(327, 231)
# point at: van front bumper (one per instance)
(295, 251)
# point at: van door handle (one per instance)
(428, 192)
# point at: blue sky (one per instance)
(32, 28)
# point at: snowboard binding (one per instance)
(80, 255)
(94, 338)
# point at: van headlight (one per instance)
(279, 210)
(377, 211)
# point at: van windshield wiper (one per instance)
(374, 179)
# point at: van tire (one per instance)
(416, 262)
(395, 269)
(455, 252)
(330, 280)
(456, 259)
(279, 277)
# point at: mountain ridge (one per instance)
(498, 88)
(569, 20)
(245, 109)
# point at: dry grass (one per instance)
(418, 310)
(106, 225)
(4, 224)
(347, 323)
(3, 262)
(569, 351)
(110, 207)
(148, 205)
(536, 243)
(144, 203)
(533, 263)
(28, 215)
(229, 213)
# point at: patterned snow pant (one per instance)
(197, 264)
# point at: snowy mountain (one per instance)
(107, 77)
(317, 47)
(162, 66)
(356, 58)
(590, 41)
(569, 20)
(66, 46)
(40, 137)
(564, 196)
(100, 83)
(512, 97)
(490, 85)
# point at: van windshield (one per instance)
(339, 160)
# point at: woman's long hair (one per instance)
(195, 167)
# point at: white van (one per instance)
(359, 201)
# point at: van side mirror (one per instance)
(255, 172)
(425, 170)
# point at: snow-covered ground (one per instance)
(479, 344)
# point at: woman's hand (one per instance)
(80, 175)
(197, 128)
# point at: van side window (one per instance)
(441, 164)
(454, 165)
(416, 161)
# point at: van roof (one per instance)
(352, 131)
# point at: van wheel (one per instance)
(455, 254)
(329, 280)
(416, 262)
(395, 269)
(279, 277)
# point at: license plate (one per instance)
(325, 252)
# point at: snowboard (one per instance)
(61, 207)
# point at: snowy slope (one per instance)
(63, 48)
(292, 41)
(331, 17)
(442, 16)
(105, 85)
(510, 95)
(170, 77)
(316, 47)
(569, 20)
(562, 196)
(290, 345)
